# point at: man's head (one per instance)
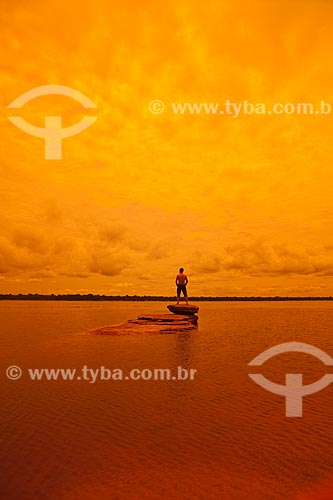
(181, 270)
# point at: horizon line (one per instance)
(103, 297)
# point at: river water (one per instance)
(218, 436)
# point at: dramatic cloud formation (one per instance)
(244, 204)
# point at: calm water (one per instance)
(218, 437)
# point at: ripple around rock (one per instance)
(147, 324)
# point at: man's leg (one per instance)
(178, 295)
(185, 295)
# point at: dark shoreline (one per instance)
(150, 298)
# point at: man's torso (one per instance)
(181, 279)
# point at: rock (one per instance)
(184, 309)
(147, 324)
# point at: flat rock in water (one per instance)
(147, 324)
(184, 309)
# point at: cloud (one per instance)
(265, 259)
(13, 257)
(158, 250)
(28, 238)
(207, 263)
(112, 232)
(107, 266)
(41, 254)
(143, 194)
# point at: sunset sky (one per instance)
(243, 204)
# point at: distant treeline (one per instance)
(90, 296)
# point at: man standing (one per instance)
(181, 282)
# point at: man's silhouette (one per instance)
(181, 282)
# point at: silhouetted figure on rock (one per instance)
(181, 282)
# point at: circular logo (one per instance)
(14, 372)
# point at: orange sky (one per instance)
(245, 205)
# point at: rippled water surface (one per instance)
(219, 436)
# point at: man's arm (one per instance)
(177, 279)
(186, 280)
